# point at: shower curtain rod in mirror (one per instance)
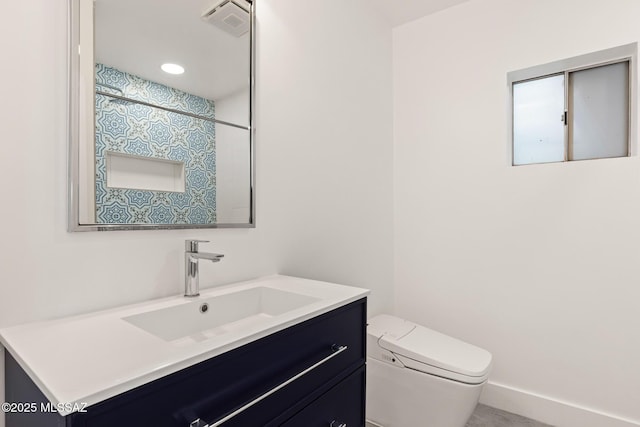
(171, 110)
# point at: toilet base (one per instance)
(401, 397)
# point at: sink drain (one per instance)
(204, 308)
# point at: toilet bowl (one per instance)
(417, 377)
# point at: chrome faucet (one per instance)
(191, 258)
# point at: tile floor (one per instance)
(486, 416)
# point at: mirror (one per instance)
(161, 107)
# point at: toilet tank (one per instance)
(385, 325)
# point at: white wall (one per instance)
(537, 264)
(324, 109)
(323, 171)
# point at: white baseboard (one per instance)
(549, 410)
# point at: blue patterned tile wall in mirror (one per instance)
(139, 130)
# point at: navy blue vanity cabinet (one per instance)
(341, 406)
(310, 371)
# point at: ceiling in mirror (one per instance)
(138, 36)
(161, 107)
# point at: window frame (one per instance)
(626, 53)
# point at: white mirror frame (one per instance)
(78, 116)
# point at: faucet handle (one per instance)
(191, 245)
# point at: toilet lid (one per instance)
(429, 351)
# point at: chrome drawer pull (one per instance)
(334, 423)
(337, 349)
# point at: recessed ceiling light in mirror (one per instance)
(172, 68)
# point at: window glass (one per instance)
(538, 121)
(599, 106)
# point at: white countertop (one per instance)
(89, 358)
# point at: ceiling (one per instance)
(400, 12)
(139, 36)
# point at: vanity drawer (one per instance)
(342, 405)
(219, 386)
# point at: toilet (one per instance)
(417, 377)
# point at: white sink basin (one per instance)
(204, 318)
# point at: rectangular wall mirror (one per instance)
(161, 107)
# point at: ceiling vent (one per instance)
(231, 16)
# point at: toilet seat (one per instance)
(406, 344)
